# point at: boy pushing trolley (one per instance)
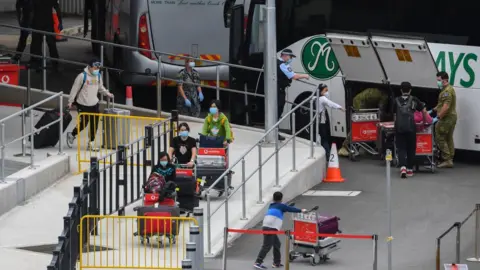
(273, 221)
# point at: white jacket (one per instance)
(88, 95)
(323, 103)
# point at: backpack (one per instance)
(83, 84)
(154, 184)
(222, 122)
(405, 115)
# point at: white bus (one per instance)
(450, 45)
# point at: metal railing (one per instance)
(314, 121)
(458, 226)
(33, 130)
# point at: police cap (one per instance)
(288, 52)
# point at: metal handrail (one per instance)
(126, 46)
(259, 141)
(32, 132)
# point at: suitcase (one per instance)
(186, 185)
(328, 224)
(49, 137)
(212, 174)
(153, 227)
(218, 162)
(188, 203)
(210, 141)
(116, 130)
(150, 199)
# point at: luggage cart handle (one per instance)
(365, 110)
(111, 104)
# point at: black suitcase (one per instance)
(49, 137)
(186, 185)
(211, 175)
(188, 203)
(148, 228)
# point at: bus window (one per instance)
(257, 36)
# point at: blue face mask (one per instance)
(289, 61)
(163, 163)
(213, 110)
(183, 133)
(191, 64)
(440, 84)
(95, 72)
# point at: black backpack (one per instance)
(405, 120)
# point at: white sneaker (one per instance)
(70, 139)
(91, 147)
(403, 172)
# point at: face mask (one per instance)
(289, 61)
(440, 84)
(191, 64)
(327, 95)
(163, 163)
(213, 110)
(183, 133)
(96, 72)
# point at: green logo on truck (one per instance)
(318, 59)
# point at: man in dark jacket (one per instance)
(43, 21)
(24, 16)
(405, 129)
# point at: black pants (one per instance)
(22, 40)
(36, 47)
(269, 241)
(324, 131)
(406, 146)
(85, 119)
(280, 102)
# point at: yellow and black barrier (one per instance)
(133, 242)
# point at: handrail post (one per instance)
(375, 251)
(159, 86)
(437, 255)
(317, 120)
(457, 242)
(476, 257)
(2, 144)
(218, 82)
(244, 199)
(388, 159)
(294, 131)
(60, 140)
(225, 246)
(225, 178)
(209, 224)
(32, 140)
(247, 111)
(311, 128)
(260, 166)
(277, 169)
(44, 61)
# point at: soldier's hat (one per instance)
(288, 52)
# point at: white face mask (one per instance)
(327, 95)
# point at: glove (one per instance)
(188, 103)
(430, 112)
(435, 120)
(304, 210)
(200, 96)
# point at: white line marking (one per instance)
(331, 193)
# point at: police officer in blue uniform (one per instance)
(285, 76)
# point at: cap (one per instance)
(94, 63)
(288, 52)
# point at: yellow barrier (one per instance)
(110, 132)
(114, 244)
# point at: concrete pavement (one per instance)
(423, 207)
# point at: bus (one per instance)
(450, 43)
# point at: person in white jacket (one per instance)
(84, 96)
(324, 127)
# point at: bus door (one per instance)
(406, 59)
(358, 63)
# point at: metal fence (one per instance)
(135, 242)
(33, 130)
(458, 226)
(72, 7)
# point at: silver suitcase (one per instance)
(116, 130)
(211, 161)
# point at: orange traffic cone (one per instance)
(333, 171)
(129, 96)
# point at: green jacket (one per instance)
(222, 125)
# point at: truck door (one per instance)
(406, 59)
(356, 57)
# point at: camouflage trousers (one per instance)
(444, 137)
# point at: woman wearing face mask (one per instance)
(216, 123)
(165, 167)
(183, 147)
(324, 128)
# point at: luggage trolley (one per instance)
(308, 245)
(425, 148)
(363, 130)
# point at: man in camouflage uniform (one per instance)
(189, 96)
(369, 98)
(447, 119)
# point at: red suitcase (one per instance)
(150, 199)
(149, 227)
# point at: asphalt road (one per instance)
(423, 207)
